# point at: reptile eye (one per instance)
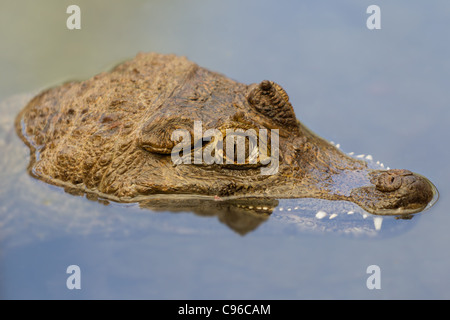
(237, 149)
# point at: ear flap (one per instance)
(156, 133)
(271, 100)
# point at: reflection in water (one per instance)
(307, 215)
(240, 215)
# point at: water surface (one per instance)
(381, 92)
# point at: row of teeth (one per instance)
(360, 156)
(322, 214)
(254, 207)
(377, 221)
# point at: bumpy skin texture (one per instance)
(110, 136)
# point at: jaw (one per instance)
(368, 188)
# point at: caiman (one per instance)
(112, 137)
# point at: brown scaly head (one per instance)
(160, 124)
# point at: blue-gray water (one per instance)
(380, 92)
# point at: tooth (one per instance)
(360, 155)
(377, 221)
(321, 214)
(296, 208)
(365, 215)
(281, 209)
(265, 208)
(369, 157)
(289, 209)
(338, 146)
(334, 215)
(351, 212)
(351, 153)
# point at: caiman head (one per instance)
(160, 124)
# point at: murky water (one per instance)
(380, 92)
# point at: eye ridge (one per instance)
(156, 134)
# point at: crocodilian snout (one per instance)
(410, 191)
(395, 191)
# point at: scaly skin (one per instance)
(110, 136)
